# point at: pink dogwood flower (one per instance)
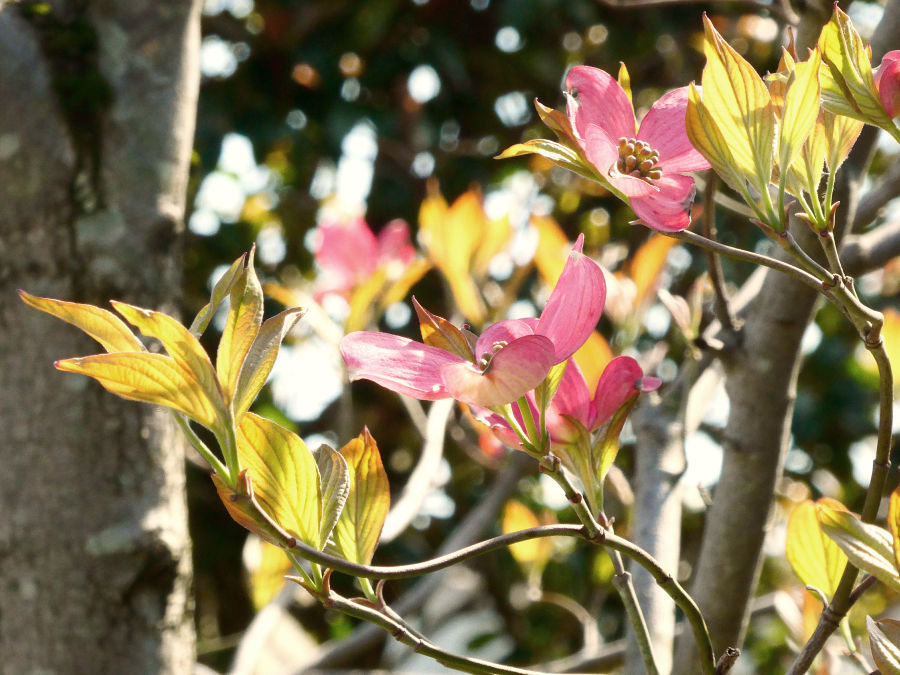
(348, 252)
(887, 82)
(646, 166)
(573, 407)
(509, 359)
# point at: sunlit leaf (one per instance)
(894, 524)
(869, 547)
(552, 249)
(438, 332)
(452, 236)
(181, 345)
(399, 289)
(364, 300)
(219, 292)
(738, 100)
(592, 358)
(805, 172)
(534, 554)
(560, 155)
(605, 450)
(284, 476)
(647, 263)
(558, 122)
(624, 80)
(241, 327)
(151, 378)
(102, 325)
(848, 86)
(801, 109)
(266, 566)
(707, 138)
(494, 238)
(547, 389)
(335, 481)
(813, 556)
(840, 133)
(358, 529)
(261, 357)
(884, 639)
(241, 504)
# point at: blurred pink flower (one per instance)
(887, 82)
(646, 166)
(509, 359)
(348, 253)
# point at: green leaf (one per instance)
(848, 86)
(560, 155)
(335, 481)
(840, 135)
(102, 325)
(814, 557)
(359, 526)
(624, 80)
(241, 328)
(181, 345)
(438, 332)
(894, 524)
(869, 547)
(707, 138)
(242, 506)
(219, 292)
(284, 476)
(739, 103)
(151, 378)
(547, 389)
(884, 639)
(801, 109)
(558, 123)
(261, 357)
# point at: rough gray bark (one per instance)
(99, 99)
(761, 385)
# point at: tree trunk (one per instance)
(99, 100)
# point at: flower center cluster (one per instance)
(485, 361)
(638, 159)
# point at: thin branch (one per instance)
(401, 632)
(419, 484)
(435, 564)
(748, 256)
(845, 595)
(713, 264)
(622, 581)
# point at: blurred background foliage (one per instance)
(349, 107)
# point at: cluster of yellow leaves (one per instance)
(269, 482)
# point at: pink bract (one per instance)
(887, 82)
(646, 164)
(509, 359)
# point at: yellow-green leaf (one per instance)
(848, 86)
(241, 327)
(181, 345)
(284, 476)
(546, 390)
(399, 288)
(806, 170)
(801, 109)
(738, 100)
(266, 566)
(884, 639)
(647, 264)
(707, 138)
(359, 526)
(869, 547)
(840, 134)
(220, 291)
(335, 481)
(894, 524)
(438, 332)
(241, 504)
(261, 357)
(624, 80)
(102, 325)
(560, 155)
(151, 378)
(558, 122)
(813, 556)
(534, 554)
(592, 358)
